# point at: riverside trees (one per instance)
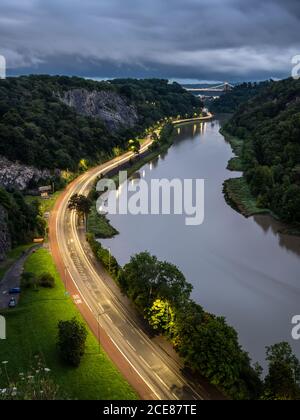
(269, 127)
(207, 344)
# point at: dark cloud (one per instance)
(205, 39)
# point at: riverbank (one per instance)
(236, 190)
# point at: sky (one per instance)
(185, 40)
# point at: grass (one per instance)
(12, 256)
(99, 225)
(238, 196)
(46, 205)
(32, 329)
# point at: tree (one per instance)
(161, 316)
(212, 349)
(282, 380)
(72, 336)
(81, 204)
(145, 278)
(134, 146)
(46, 280)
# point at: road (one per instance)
(148, 367)
(12, 278)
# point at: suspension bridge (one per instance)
(224, 87)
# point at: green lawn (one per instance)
(99, 225)
(46, 205)
(12, 256)
(32, 329)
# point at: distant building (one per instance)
(45, 191)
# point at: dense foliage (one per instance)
(230, 101)
(207, 344)
(269, 125)
(36, 128)
(24, 220)
(72, 336)
(283, 379)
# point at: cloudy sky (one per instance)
(179, 39)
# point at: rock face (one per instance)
(18, 176)
(110, 107)
(5, 240)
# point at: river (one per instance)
(240, 268)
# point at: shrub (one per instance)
(28, 280)
(72, 336)
(46, 280)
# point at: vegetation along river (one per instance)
(240, 268)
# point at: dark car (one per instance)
(12, 303)
(14, 290)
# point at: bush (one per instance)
(28, 280)
(46, 280)
(72, 336)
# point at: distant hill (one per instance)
(269, 126)
(229, 102)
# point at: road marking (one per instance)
(109, 318)
(145, 361)
(159, 378)
(120, 331)
(130, 345)
(134, 368)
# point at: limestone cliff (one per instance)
(19, 176)
(109, 106)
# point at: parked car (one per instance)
(12, 303)
(14, 291)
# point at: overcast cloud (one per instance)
(196, 39)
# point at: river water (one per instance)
(240, 268)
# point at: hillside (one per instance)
(54, 122)
(269, 127)
(229, 102)
(49, 124)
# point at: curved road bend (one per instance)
(152, 372)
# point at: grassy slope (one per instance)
(32, 328)
(99, 225)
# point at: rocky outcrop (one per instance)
(5, 240)
(109, 106)
(19, 176)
